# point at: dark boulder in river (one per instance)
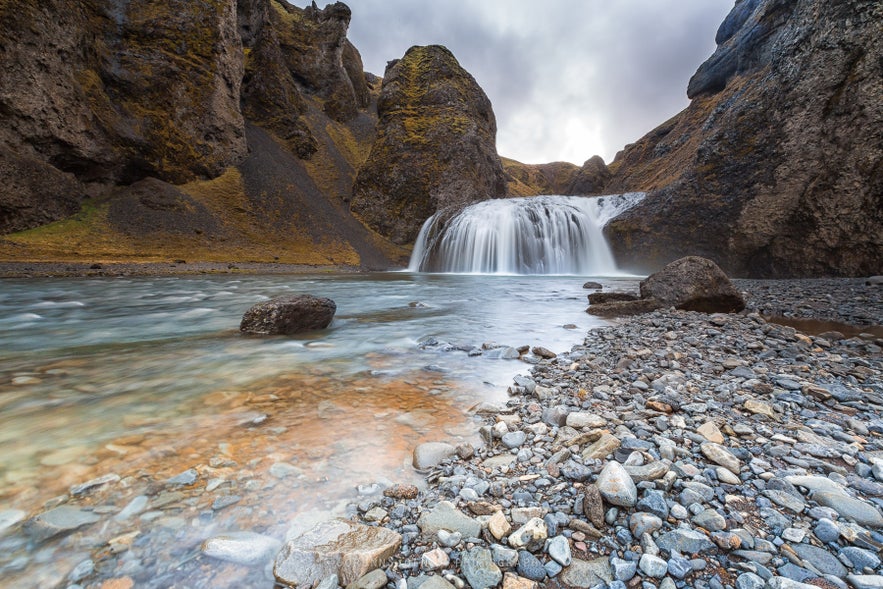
(693, 284)
(287, 315)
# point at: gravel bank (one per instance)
(675, 449)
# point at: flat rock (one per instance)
(430, 454)
(10, 517)
(436, 582)
(861, 512)
(245, 548)
(684, 541)
(816, 483)
(624, 308)
(478, 566)
(340, 547)
(587, 573)
(581, 419)
(647, 472)
(60, 520)
(710, 432)
(821, 559)
(373, 580)
(444, 516)
(865, 581)
(721, 456)
(602, 447)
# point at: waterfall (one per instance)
(533, 235)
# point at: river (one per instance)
(148, 378)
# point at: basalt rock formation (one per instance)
(435, 146)
(219, 129)
(776, 167)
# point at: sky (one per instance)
(568, 79)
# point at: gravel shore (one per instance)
(675, 449)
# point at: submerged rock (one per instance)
(60, 520)
(287, 315)
(245, 548)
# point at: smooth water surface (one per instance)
(145, 378)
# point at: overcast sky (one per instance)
(568, 78)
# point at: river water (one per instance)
(147, 378)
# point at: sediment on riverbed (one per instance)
(675, 449)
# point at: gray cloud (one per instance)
(568, 78)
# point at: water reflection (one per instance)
(148, 378)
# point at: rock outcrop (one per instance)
(591, 178)
(776, 167)
(223, 129)
(435, 146)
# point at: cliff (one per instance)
(775, 169)
(435, 146)
(214, 130)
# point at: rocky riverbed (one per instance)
(673, 449)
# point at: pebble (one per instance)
(559, 549)
(616, 485)
(60, 520)
(653, 566)
(479, 568)
(530, 567)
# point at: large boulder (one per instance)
(338, 547)
(693, 284)
(435, 146)
(287, 315)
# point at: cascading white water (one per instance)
(534, 235)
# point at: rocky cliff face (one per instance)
(435, 147)
(776, 167)
(132, 106)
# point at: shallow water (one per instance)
(148, 377)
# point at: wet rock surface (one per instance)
(288, 315)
